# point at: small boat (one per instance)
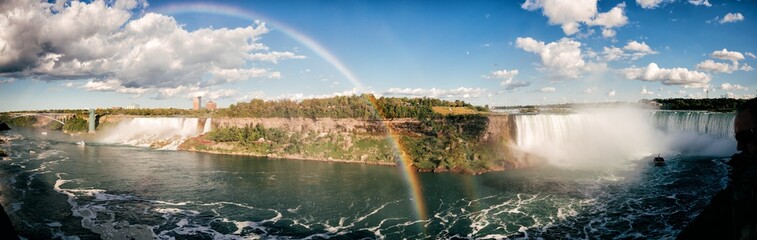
(80, 143)
(659, 161)
(44, 133)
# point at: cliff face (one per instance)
(447, 145)
(498, 129)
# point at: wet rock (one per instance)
(4, 127)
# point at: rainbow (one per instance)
(405, 163)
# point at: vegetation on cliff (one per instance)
(707, 104)
(439, 143)
(363, 106)
(260, 141)
(76, 124)
(26, 121)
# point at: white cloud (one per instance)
(750, 55)
(562, 58)
(668, 76)
(503, 74)
(633, 50)
(461, 92)
(639, 50)
(239, 74)
(746, 68)
(727, 55)
(638, 47)
(608, 33)
(7, 80)
(274, 56)
(700, 2)
(571, 14)
(733, 56)
(589, 90)
(547, 89)
(111, 85)
(611, 93)
(511, 85)
(649, 4)
(712, 66)
(730, 87)
(612, 53)
(103, 40)
(644, 91)
(732, 17)
(611, 19)
(507, 79)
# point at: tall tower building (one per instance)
(197, 103)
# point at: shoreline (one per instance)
(288, 157)
(415, 169)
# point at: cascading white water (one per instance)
(609, 137)
(207, 126)
(591, 138)
(710, 123)
(696, 132)
(165, 133)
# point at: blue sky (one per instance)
(162, 53)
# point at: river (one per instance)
(53, 188)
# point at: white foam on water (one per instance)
(167, 212)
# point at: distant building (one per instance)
(197, 103)
(210, 105)
(133, 106)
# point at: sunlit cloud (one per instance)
(668, 76)
(712, 66)
(732, 87)
(649, 4)
(507, 79)
(571, 14)
(123, 52)
(562, 58)
(731, 17)
(727, 55)
(633, 50)
(111, 85)
(700, 3)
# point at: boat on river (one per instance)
(659, 161)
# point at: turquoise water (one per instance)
(63, 190)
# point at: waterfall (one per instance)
(164, 132)
(207, 126)
(709, 123)
(610, 137)
(704, 133)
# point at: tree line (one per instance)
(365, 106)
(705, 104)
